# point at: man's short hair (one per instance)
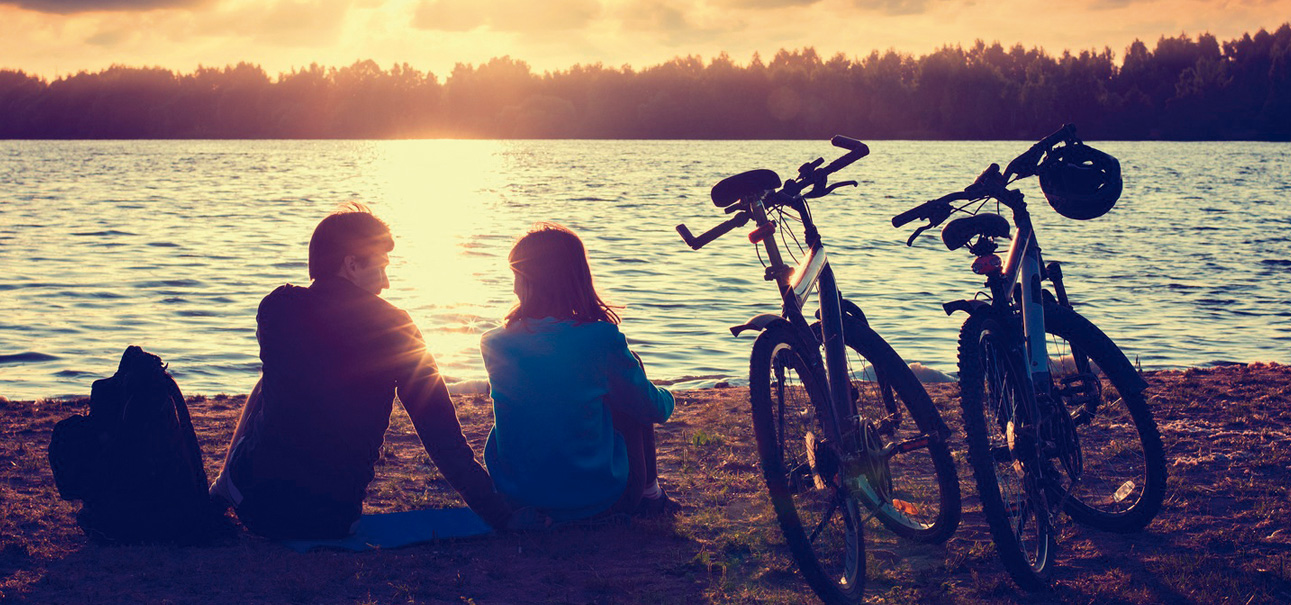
(351, 230)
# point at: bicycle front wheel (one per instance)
(799, 446)
(1122, 484)
(913, 488)
(1002, 449)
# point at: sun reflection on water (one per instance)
(440, 199)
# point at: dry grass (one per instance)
(1223, 537)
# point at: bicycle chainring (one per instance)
(1082, 393)
(1060, 438)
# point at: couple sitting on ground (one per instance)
(573, 434)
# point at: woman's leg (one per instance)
(249, 410)
(642, 463)
(222, 488)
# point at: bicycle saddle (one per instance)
(959, 231)
(735, 188)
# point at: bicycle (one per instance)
(1056, 423)
(843, 436)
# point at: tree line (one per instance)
(1185, 88)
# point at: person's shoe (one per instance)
(663, 506)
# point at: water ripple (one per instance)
(172, 244)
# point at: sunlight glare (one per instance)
(448, 268)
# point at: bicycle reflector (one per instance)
(986, 265)
(762, 233)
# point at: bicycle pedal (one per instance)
(1084, 389)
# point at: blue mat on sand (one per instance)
(393, 530)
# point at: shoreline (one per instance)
(1221, 536)
(479, 387)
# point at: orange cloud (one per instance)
(518, 16)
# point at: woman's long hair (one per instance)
(553, 278)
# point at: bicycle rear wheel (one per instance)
(801, 461)
(997, 426)
(1122, 483)
(913, 489)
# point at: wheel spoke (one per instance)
(825, 518)
(798, 450)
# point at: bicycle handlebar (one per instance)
(809, 174)
(991, 183)
(855, 151)
(1025, 165)
(706, 237)
(848, 143)
(931, 209)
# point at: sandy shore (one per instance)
(1223, 536)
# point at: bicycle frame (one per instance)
(795, 288)
(1022, 271)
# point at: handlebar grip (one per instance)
(707, 237)
(847, 143)
(935, 211)
(1025, 165)
(912, 214)
(846, 159)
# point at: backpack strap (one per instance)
(186, 426)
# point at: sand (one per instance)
(1224, 535)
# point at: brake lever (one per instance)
(810, 167)
(936, 216)
(828, 189)
(915, 235)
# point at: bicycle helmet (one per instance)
(1080, 182)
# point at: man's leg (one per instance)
(281, 511)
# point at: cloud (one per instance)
(68, 7)
(108, 38)
(764, 4)
(515, 16)
(302, 23)
(666, 22)
(893, 7)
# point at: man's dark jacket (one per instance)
(334, 357)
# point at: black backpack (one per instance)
(134, 461)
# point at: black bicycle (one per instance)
(845, 435)
(1054, 413)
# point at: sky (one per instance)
(52, 38)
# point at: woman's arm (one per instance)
(630, 390)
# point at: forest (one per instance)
(1184, 88)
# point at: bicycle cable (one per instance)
(784, 241)
(795, 239)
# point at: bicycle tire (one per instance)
(884, 390)
(801, 468)
(1123, 481)
(1016, 509)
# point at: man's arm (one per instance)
(425, 396)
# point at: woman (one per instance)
(573, 433)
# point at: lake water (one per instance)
(172, 244)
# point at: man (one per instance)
(334, 356)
